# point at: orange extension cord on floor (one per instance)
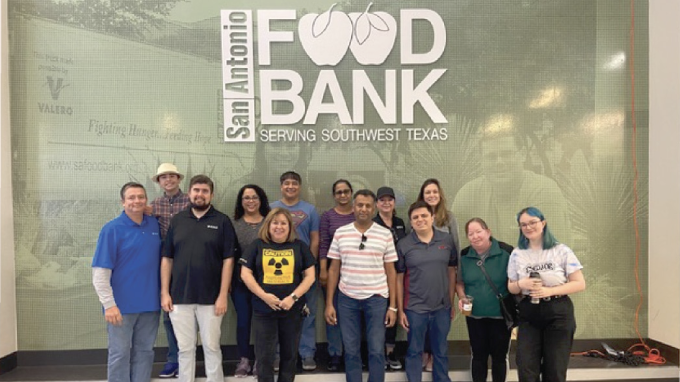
(649, 356)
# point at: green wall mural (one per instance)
(526, 103)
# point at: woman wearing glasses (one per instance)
(387, 218)
(278, 269)
(338, 216)
(489, 336)
(545, 272)
(433, 194)
(251, 208)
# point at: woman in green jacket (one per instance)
(488, 333)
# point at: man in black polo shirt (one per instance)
(427, 265)
(198, 258)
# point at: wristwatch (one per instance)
(294, 297)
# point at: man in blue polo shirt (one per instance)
(125, 274)
(427, 264)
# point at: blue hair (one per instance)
(549, 240)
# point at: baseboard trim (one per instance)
(230, 353)
(8, 363)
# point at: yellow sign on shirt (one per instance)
(278, 266)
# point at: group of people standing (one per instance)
(272, 258)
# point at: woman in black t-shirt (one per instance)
(279, 269)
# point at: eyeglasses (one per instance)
(363, 240)
(251, 198)
(531, 224)
(343, 192)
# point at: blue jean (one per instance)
(438, 324)
(350, 311)
(131, 347)
(333, 333)
(307, 347)
(172, 340)
(242, 299)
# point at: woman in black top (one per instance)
(279, 269)
(251, 207)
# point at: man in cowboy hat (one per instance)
(164, 208)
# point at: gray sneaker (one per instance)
(243, 368)
(308, 364)
(277, 361)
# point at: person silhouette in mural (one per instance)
(504, 186)
(125, 275)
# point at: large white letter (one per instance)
(406, 27)
(411, 95)
(270, 96)
(266, 36)
(362, 84)
(327, 80)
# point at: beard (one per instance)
(201, 207)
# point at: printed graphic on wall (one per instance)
(508, 103)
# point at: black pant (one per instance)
(488, 337)
(391, 336)
(546, 333)
(284, 328)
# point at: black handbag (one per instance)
(508, 303)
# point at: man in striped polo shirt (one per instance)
(362, 258)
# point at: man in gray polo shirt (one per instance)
(428, 260)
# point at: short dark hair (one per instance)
(290, 175)
(420, 204)
(130, 185)
(335, 184)
(365, 192)
(202, 179)
(490, 132)
(264, 201)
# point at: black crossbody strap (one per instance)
(480, 264)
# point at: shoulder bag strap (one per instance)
(480, 264)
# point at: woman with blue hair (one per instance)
(545, 272)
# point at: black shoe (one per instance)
(392, 361)
(334, 363)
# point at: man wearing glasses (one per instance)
(362, 258)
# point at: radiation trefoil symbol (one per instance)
(278, 265)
